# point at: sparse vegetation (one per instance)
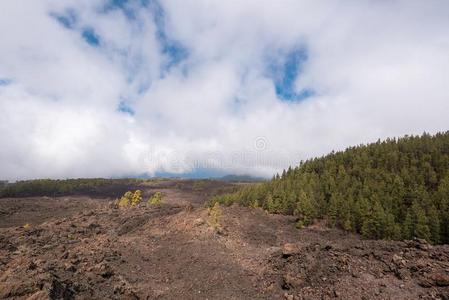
(215, 213)
(395, 189)
(136, 198)
(126, 199)
(155, 199)
(130, 199)
(26, 226)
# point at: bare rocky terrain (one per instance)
(81, 247)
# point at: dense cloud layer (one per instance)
(124, 88)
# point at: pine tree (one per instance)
(361, 212)
(304, 208)
(374, 225)
(332, 211)
(392, 229)
(271, 205)
(408, 227)
(434, 225)
(422, 229)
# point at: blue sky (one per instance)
(286, 72)
(5, 81)
(231, 87)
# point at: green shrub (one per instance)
(126, 199)
(155, 199)
(215, 215)
(136, 198)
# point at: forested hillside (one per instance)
(393, 189)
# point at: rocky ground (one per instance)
(84, 248)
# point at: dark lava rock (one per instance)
(59, 290)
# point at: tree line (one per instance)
(392, 189)
(61, 187)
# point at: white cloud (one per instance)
(378, 69)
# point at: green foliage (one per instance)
(304, 209)
(136, 198)
(3, 185)
(300, 224)
(374, 225)
(130, 199)
(393, 189)
(126, 199)
(155, 199)
(215, 215)
(82, 186)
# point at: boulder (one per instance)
(290, 249)
(291, 281)
(198, 222)
(398, 260)
(441, 279)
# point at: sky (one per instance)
(116, 88)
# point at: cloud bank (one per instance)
(96, 88)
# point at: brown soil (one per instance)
(84, 248)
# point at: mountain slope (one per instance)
(394, 189)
